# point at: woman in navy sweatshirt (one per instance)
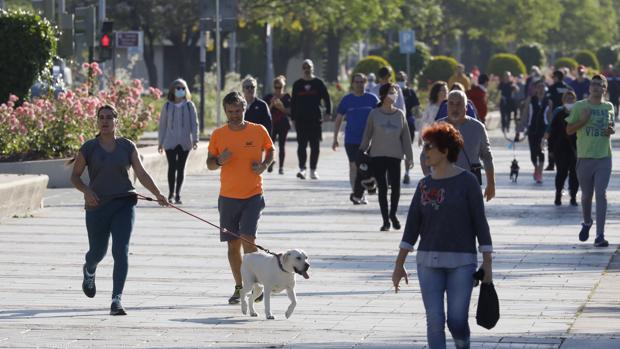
(447, 215)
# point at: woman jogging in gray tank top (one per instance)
(110, 199)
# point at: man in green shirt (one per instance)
(593, 121)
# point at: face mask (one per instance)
(569, 106)
(402, 84)
(392, 97)
(179, 93)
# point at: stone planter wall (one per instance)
(156, 164)
(21, 194)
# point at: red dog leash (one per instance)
(238, 236)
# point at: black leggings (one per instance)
(387, 170)
(566, 161)
(279, 133)
(177, 158)
(308, 134)
(536, 154)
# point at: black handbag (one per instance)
(487, 314)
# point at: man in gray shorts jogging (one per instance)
(593, 121)
(243, 150)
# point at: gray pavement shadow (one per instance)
(228, 320)
(71, 312)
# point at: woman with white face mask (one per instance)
(387, 140)
(564, 148)
(178, 133)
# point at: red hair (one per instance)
(445, 138)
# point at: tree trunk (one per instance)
(334, 39)
(286, 46)
(149, 57)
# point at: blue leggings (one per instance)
(115, 217)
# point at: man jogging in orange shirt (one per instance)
(243, 150)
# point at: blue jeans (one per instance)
(114, 218)
(458, 284)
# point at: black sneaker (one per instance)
(236, 297)
(117, 308)
(573, 202)
(281, 171)
(355, 200)
(88, 284)
(178, 201)
(270, 168)
(395, 223)
(584, 234)
(385, 227)
(601, 242)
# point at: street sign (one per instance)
(128, 39)
(84, 25)
(407, 41)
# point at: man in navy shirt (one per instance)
(258, 111)
(581, 85)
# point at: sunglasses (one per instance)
(596, 83)
(180, 88)
(428, 146)
(249, 87)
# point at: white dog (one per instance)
(276, 274)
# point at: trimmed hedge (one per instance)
(418, 60)
(567, 62)
(532, 54)
(608, 55)
(501, 62)
(372, 64)
(587, 58)
(27, 43)
(439, 68)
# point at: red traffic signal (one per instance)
(105, 41)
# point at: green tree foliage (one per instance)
(372, 64)
(501, 62)
(417, 61)
(585, 24)
(608, 55)
(27, 45)
(439, 68)
(531, 54)
(587, 58)
(567, 62)
(502, 22)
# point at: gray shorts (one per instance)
(240, 215)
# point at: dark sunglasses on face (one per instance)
(428, 146)
(180, 88)
(249, 87)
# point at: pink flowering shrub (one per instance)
(55, 128)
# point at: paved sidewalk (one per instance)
(555, 292)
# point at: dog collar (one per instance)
(280, 263)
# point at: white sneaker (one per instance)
(313, 174)
(301, 174)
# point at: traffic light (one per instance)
(106, 41)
